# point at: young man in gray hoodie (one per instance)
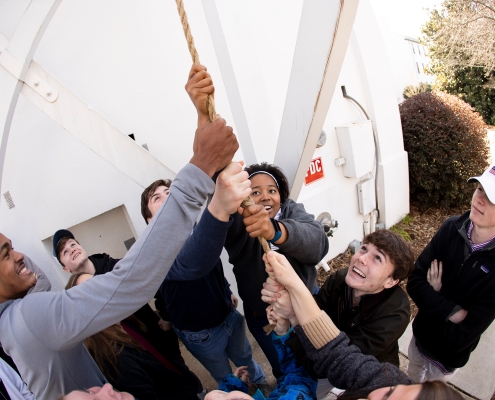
(44, 331)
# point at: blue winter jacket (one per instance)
(295, 382)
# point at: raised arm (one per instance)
(104, 300)
(302, 237)
(306, 241)
(198, 87)
(200, 253)
(342, 363)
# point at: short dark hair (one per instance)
(148, 192)
(283, 184)
(61, 245)
(396, 248)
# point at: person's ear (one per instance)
(390, 283)
(66, 269)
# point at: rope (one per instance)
(248, 201)
(210, 104)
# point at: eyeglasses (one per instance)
(387, 395)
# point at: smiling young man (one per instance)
(364, 300)
(74, 259)
(453, 285)
(43, 331)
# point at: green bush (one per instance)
(447, 143)
(411, 90)
(473, 86)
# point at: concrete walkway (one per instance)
(477, 376)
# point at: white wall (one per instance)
(366, 76)
(56, 182)
(129, 62)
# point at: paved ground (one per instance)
(205, 377)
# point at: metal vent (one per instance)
(8, 199)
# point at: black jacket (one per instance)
(103, 263)
(468, 281)
(195, 290)
(169, 342)
(374, 326)
(147, 378)
(305, 246)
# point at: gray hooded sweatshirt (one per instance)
(44, 331)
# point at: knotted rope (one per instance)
(210, 104)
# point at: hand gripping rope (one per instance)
(210, 104)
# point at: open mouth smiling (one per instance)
(358, 272)
(22, 270)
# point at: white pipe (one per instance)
(374, 215)
(323, 264)
(366, 224)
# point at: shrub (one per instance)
(474, 87)
(446, 141)
(411, 90)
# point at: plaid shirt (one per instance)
(477, 246)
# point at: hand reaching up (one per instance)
(232, 187)
(214, 146)
(278, 268)
(198, 87)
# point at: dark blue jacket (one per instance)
(295, 382)
(195, 291)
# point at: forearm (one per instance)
(463, 334)
(106, 299)
(201, 252)
(303, 303)
(344, 364)
(306, 241)
(426, 298)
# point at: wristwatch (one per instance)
(278, 231)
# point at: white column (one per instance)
(321, 46)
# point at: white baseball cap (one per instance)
(487, 180)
